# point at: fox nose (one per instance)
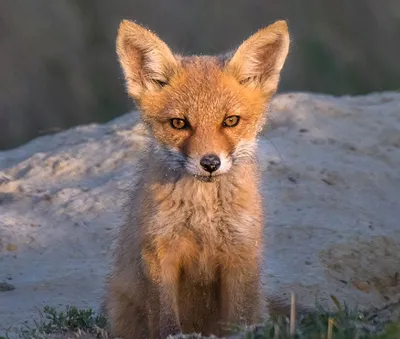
(210, 162)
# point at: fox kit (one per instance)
(188, 255)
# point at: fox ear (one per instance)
(146, 60)
(259, 60)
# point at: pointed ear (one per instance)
(259, 60)
(146, 60)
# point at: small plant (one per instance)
(70, 320)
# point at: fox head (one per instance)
(204, 112)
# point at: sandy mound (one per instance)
(332, 188)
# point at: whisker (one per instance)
(280, 156)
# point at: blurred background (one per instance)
(58, 66)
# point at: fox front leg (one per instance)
(169, 269)
(169, 312)
(240, 297)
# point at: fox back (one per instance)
(188, 256)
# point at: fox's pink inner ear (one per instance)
(259, 60)
(146, 60)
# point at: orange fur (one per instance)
(188, 256)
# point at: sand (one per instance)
(331, 170)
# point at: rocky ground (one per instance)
(332, 193)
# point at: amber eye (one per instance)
(179, 123)
(161, 83)
(231, 121)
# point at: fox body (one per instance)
(189, 253)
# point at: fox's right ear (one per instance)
(259, 60)
(146, 60)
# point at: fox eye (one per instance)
(179, 123)
(160, 83)
(231, 121)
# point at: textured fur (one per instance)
(189, 254)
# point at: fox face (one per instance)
(204, 112)
(203, 120)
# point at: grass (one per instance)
(343, 323)
(70, 320)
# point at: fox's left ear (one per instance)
(146, 60)
(259, 60)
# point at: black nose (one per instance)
(210, 162)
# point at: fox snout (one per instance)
(208, 165)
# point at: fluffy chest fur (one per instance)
(201, 226)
